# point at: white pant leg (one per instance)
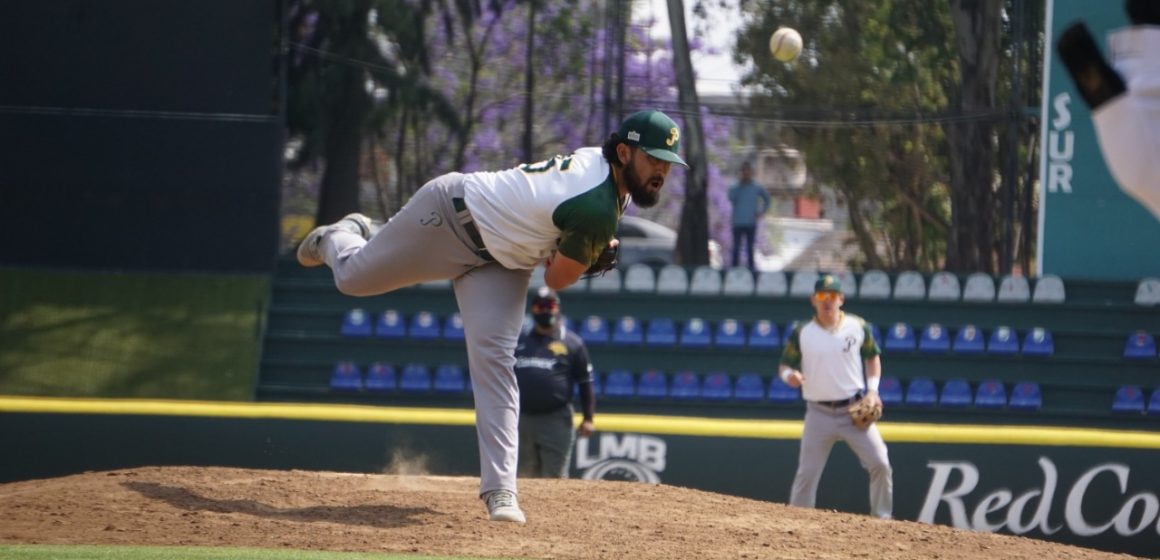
(819, 432)
(872, 454)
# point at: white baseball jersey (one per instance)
(830, 359)
(569, 203)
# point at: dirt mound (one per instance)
(196, 506)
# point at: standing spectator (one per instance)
(750, 201)
(825, 357)
(550, 360)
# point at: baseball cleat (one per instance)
(502, 506)
(310, 250)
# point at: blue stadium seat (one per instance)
(956, 393)
(1003, 340)
(686, 386)
(416, 378)
(424, 326)
(594, 330)
(969, 340)
(1129, 398)
(1038, 342)
(788, 332)
(345, 377)
(991, 394)
(779, 392)
(381, 378)
(1025, 395)
(921, 392)
(1154, 403)
(596, 386)
(653, 384)
(730, 333)
(934, 339)
(449, 378)
(890, 391)
(718, 386)
(390, 324)
(900, 337)
(356, 323)
(696, 334)
(627, 331)
(1140, 345)
(453, 327)
(877, 334)
(619, 383)
(661, 332)
(764, 334)
(749, 387)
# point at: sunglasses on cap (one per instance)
(827, 296)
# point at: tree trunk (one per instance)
(693, 235)
(340, 181)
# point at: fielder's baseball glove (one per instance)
(605, 262)
(866, 411)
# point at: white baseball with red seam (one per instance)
(785, 44)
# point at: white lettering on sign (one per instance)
(646, 450)
(1060, 146)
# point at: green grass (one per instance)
(87, 334)
(53, 552)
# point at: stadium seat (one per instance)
(910, 285)
(695, 334)
(706, 281)
(738, 282)
(1048, 289)
(750, 387)
(934, 339)
(1154, 403)
(597, 384)
(594, 330)
(1003, 340)
(1013, 289)
(416, 378)
(619, 383)
(991, 394)
(729, 334)
(900, 337)
(390, 324)
(718, 386)
(1038, 342)
(849, 283)
(890, 391)
(875, 285)
(627, 331)
(944, 286)
(780, 392)
(764, 334)
(607, 283)
(686, 386)
(877, 334)
(345, 377)
(356, 323)
(969, 340)
(956, 393)
(803, 282)
(980, 287)
(771, 283)
(640, 278)
(453, 327)
(653, 384)
(673, 280)
(661, 331)
(449, 378)
(1025, 395)
(381, 378)
(921, 392)
(424, 326)
(580, 285)
(1128, 398)
(1148, 292)
(1140, 345)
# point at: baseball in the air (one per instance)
(785, 44)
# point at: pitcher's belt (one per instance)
(469, 228)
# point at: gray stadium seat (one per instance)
(640, 277)
(803, 283)
(771, 283)
(672, 279)
(607, 283)
(980, 287)
(910, 285)
(1048, 289)
(944, 286)
(875, 285)
(1013, 289)
(738, 282)
(1148, 292)
(706, 281)
(849, 283)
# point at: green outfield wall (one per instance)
(1093, 488)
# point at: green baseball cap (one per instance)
(827, 283)
(655, 133)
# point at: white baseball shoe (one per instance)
(310, 252)
(502, 506)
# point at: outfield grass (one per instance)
(86, 334)
(53, 552)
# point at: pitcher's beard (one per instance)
(642, 196)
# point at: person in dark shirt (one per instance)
(549, 361)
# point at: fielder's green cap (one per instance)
(655, 133)
(827, 283)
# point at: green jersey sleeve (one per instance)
(869, 345)
(587, 223)
(791, 355)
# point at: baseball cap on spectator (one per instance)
(545, 297)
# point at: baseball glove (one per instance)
(866, 411)
(605, 262)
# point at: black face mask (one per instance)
(545, 319)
